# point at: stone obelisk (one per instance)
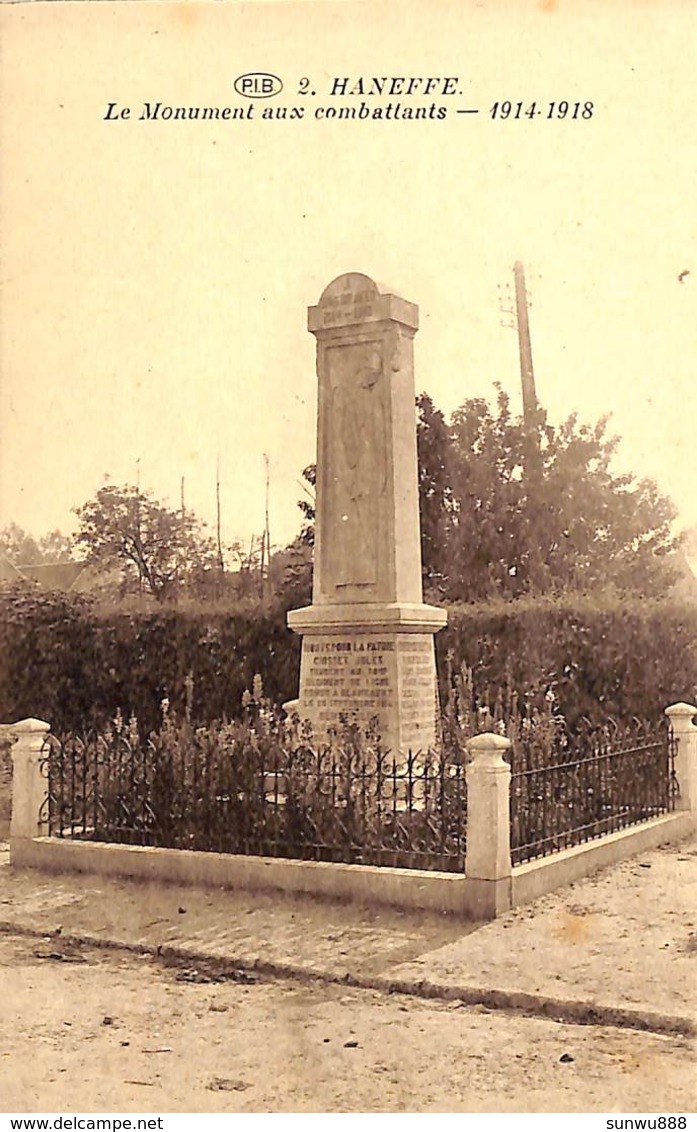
(367, 638)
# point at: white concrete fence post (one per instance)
(29, 783)
(681, 718)
(488, 853)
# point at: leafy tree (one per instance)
(435, 492)
(508, 510)
(23, 550)
(307, 505)
(158, 548)
(495, 522)
(292, 573)
(18, 546)
(55, 547)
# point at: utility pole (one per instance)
(221, 563)
(267, 534)
(527, 375)
(138, 538)
(262, 565)
(180, 556)
(520, 322)
(532, 457)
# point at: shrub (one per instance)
(257, 785)
(619, 658)
(73, 664)
(261, 785)
(66, 660)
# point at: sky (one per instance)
(157, 274)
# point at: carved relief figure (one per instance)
(359, 433)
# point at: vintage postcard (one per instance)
(238, 241)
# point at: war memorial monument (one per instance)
(368, 638)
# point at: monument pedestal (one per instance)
(371, 662)
(367, 650)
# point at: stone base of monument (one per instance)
(372, 662)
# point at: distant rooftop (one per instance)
(48, 575)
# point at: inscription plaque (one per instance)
(383, 677)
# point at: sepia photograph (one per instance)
(348, 561)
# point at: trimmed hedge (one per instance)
(68, 662)
(64, 660)
(613, 656)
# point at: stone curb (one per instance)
(512, 1002)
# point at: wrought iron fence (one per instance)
(259, 790)
(604, 779)
(230, 790)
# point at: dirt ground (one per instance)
(87, 1030)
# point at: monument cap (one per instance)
(354, 298)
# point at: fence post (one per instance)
(681, 718)
(29, 784)
(488, 854)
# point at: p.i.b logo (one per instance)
(258, 84)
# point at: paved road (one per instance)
(101, 1030)
(624, 939)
